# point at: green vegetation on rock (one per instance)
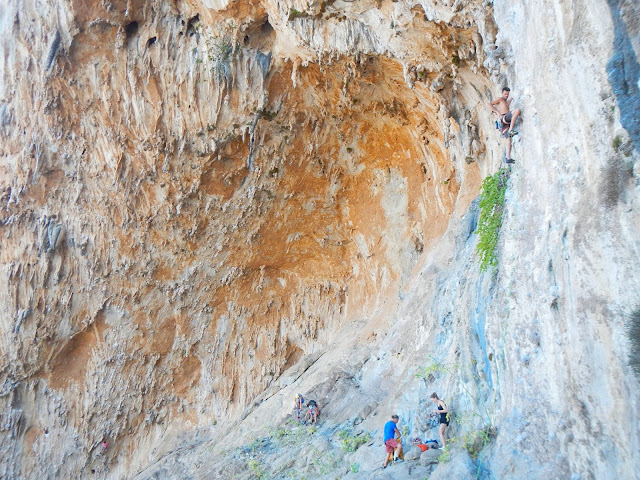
(475, 440)
(293, 14)
(257, 469)
(494, 188)
(350, 443)
(617, 141)
(220, 50)
(430, 371)
(445, 456)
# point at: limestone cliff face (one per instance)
(208, 206)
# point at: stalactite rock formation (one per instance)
(207, 206)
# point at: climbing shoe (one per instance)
(509, 161)
(513, 133)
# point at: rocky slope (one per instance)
(208, 206)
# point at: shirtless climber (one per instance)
(507, 118)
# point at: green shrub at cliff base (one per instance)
(350, 443)
(494, 188)
(445, 456)
(475, 441)
(257, 469)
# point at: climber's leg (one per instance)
(508, 159)
(514, 116)
(441, 431)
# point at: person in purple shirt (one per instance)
(391, 443)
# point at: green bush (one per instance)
(431, 370)
(350, 443)
(257, 469)
(257, 444)
(617, 141)
(291, 433)
(281, 433)
(293, 14)
(494, 188)
(475, 441)
(326, 461)
(220, 49)
(445, 456)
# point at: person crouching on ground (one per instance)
(313, 412)
(444, 417)
(391, 442)
(418, 443)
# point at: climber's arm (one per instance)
(493, 104)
